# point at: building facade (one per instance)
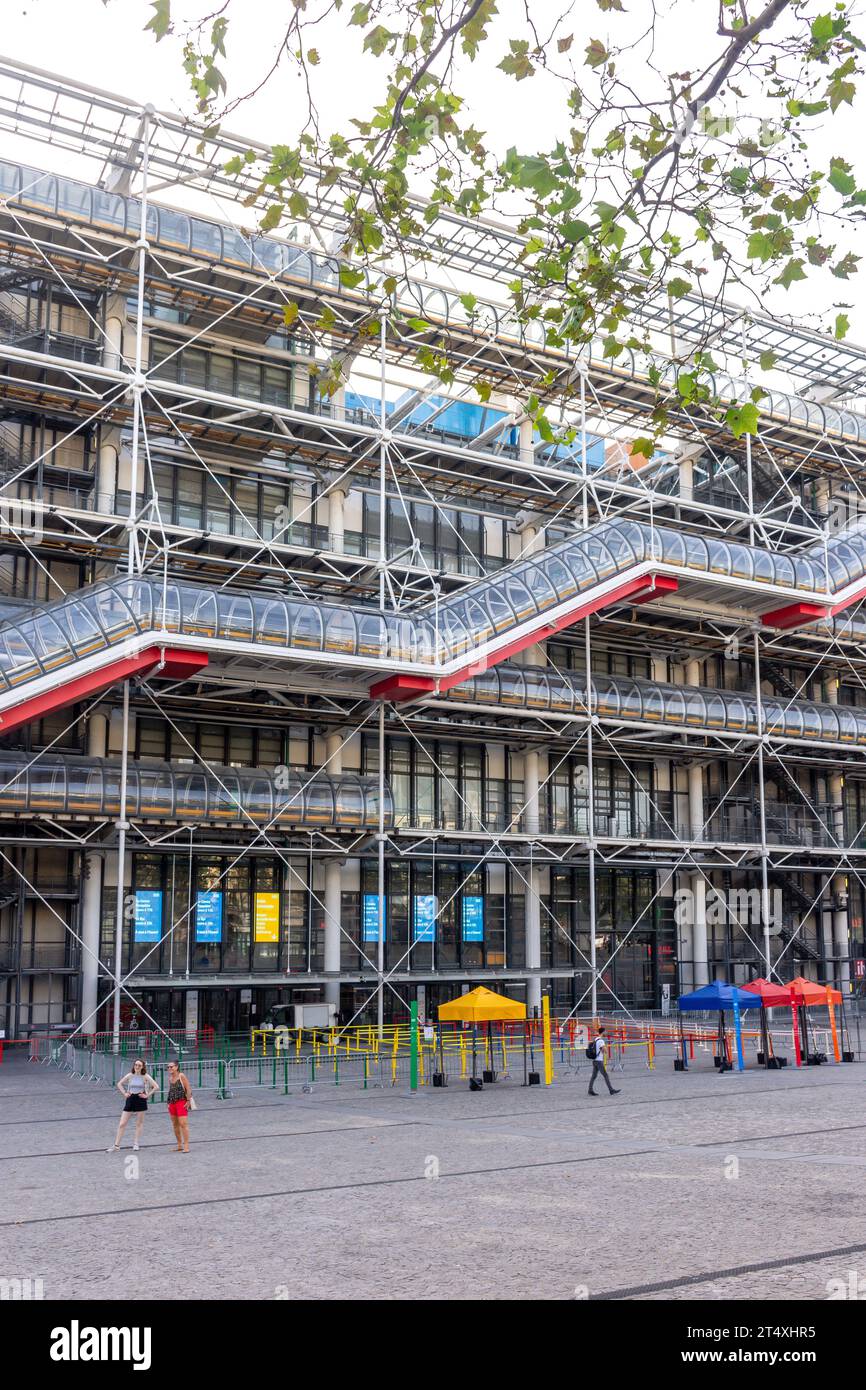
(377, 696)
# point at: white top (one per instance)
(135, 1083)
(600, 1044)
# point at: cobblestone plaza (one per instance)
(540, 1194)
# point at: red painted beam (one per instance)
(402, 687)
(840, 607)
(662, 584)
(180, 664)
(640, 590)
(794, 615)
(177, 664)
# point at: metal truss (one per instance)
(774, 491)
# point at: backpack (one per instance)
(590, 1051)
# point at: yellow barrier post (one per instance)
(548, 1050)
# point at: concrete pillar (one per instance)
(698, 882)
(686, 472)
(822, 497)
(336, 524)
(839, 889)
(333, 884)
(660, 669)
(91, 893)
(115, 323)
(106, 471)
(525, 441)
(838, 883)
(699, 931)
(696, 802)
(531, 542)
(531, 814)
(533, 938)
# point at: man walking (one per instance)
(596, 1051)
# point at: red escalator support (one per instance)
(799, 614)
(177, 664)
(794, 615)
(402, 687)
(640, 590)
(840, 607)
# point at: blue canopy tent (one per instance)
(718, 997)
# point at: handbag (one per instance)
(192, 1104)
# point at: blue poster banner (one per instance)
(148, 915)
(208, 916)
(370, 923)
(473, 919)
(424, 925)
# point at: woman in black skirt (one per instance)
(137, 1086)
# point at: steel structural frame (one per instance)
(138, 145)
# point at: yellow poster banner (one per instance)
(266, 917)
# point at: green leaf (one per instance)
(298, 205)
(575, 230)
(842, 325)
(272, 217)
(644, 446)
(290, 313)
(840, 179)
(350, 278)
(760, 247)
(378, 40)
(160, 20)
(742, 419)
(822, 28)
(677, 287)
(517, 63)
(792, 271)
(767, 361)
(596, 54)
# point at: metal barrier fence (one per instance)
(296, 1061)
(510, 1055)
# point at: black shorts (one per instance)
(135, 1103)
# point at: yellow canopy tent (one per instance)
(481, 1006)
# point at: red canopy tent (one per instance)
(773, 996)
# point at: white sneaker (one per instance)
(135, 1148)
(113, 1149)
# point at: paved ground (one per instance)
(682, 1187)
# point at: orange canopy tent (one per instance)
(807, 992)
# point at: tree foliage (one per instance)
(659, 181)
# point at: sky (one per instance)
(104, 44)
